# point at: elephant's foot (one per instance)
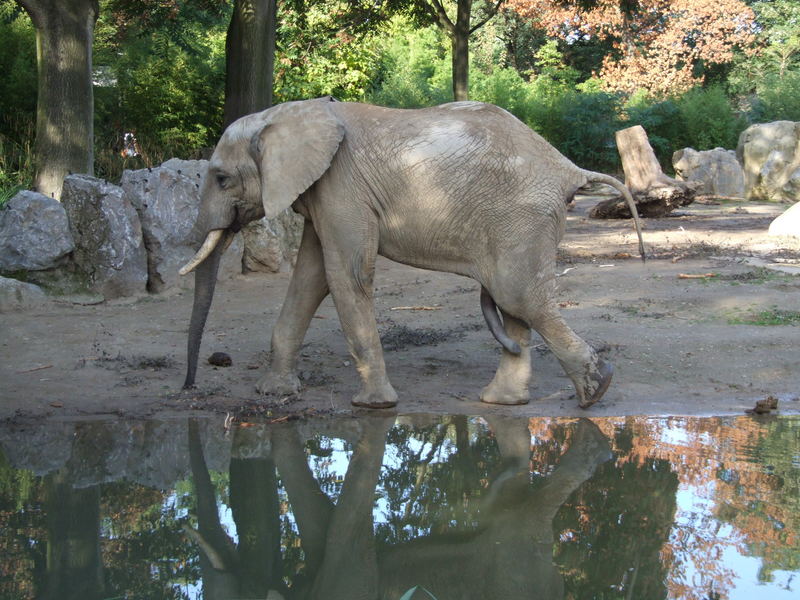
(277, 384)
(505, 393)
(596, 382)
(383, 396)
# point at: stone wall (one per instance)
(126, 240)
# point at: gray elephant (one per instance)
(464, 188)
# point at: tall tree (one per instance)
(65, 107)
(250, 58)
(661, 46)
(459, 23)
(458, 19)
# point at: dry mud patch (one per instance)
(679, 346)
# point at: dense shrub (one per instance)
(778, 99)
(588, 126)
(414, 70)
(708, 120)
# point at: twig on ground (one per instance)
(35, 369)
(696, 275)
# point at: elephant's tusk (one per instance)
(211, 241)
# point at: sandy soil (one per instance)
(680, 346)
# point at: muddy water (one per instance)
(410, 507)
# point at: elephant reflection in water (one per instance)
(337, 540)
(509, 555)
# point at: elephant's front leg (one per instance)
(307, 289)
(510, 383)
(350, 247)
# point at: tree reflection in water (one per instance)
(370, 508)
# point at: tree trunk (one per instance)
(656, 195)
(460, 49)
(74, 568)
(65, 106)
(255, 506)
(250, 57)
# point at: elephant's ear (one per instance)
(293, 150)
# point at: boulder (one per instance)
(109, 248)
(167, 199)
(17, 295)
(34, 233)
(271, 244)
(788, 223)
(770, 156)
(717, 171)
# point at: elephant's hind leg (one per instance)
(590, 374)
(510, 383)
(307, 289)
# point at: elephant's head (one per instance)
(260, 166)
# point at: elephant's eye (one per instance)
(222, 180)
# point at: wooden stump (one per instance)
(655, 194)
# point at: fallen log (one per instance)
(656, 195)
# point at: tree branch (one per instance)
(436, 8)
(489, 17)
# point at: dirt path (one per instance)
(680, 346)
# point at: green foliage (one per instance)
(16, 166)
(708, 119)
(17, 99)
(589, 124)
(167, 86)
(779, 99)
(414, 70)
(769, 317)
(316, 57)
(161, 68)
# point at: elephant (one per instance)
(464, 187)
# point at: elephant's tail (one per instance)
(592, 177)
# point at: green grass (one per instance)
(770, 317)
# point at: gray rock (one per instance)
(717, 171)
(17, 295)
(109, 248)
(153, 453)
(770, 157)
(271, 244)
(34, 233)
(167, 199)
(788, 223)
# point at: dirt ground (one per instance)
(679, 346)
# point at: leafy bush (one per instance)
(708, 120)
(17, 101)
(317, 55)
(778, 99)
(414, 69)
(589, 122)
(503, 87)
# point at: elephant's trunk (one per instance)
(205, 280)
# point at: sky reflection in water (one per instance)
(495, 507)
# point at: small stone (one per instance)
(220, 359)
